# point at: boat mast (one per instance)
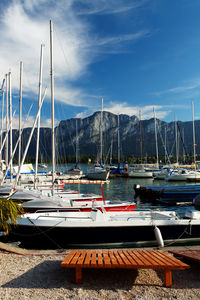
(183, 147)
(20, 112)
(165, 144)
(10, 112)
(111, 150)
(194, 143)
(29, 140)
(140, 136)
(118, 144)
(52, 103)
(77, 143)
(2, 113)
(38, 125)
(155, 123)
(101, 133)
(6, 145)
(176, 137)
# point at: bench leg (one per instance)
(78, 275)
(168, 278)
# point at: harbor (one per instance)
(99, 150)
(123, 207)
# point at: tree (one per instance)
(9, 213)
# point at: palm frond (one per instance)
(9, 213)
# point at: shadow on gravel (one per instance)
(189, 278)
(49, 274)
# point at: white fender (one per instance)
(158, 237)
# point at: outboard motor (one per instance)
(137, 189)
(196, 202)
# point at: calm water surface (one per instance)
(121, 189)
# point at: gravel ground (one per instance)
(42, 277)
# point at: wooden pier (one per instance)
(84, 181)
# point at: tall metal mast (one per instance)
(140, 136)
(77, 143)
(6, 145)
(10, 113)
(176, 138)
(52, 103)
(38, 125)
(118, 143)
(165, 144)
(2, 115)
(183, 147)
(111, 150)
(101, 133)
(194, 142)
(155, 123)
(20, 112)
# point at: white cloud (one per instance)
(29, 122)
(82, 114)
(108, 7)
(180, 89)
(24, 25)
(146, 111)
(123, 108)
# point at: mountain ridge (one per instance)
(88, 130)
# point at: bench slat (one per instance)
(107, 261)
(142, 261)
(154, 260)
(130, 258)
(118, 258)
(68, 258)
(124, 258)
(94, 258)
(165, 259)
(82, 257)
(176, 263)
(136, 258)
(100, 259)
(113, 258)
(149, 258)
(75, 258)
(87, 259)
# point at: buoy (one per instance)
(158, 236)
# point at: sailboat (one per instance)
(184, 174)
(118, 170)
(76, 171)
(98, 172)
(138, 171)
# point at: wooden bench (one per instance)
(189, 254)
(123, 259)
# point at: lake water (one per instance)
(121, 189)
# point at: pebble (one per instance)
(42, 277)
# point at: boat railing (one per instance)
(56, 210)
(63, 217)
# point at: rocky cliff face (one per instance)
(89, 136)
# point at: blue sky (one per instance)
(137, 54)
